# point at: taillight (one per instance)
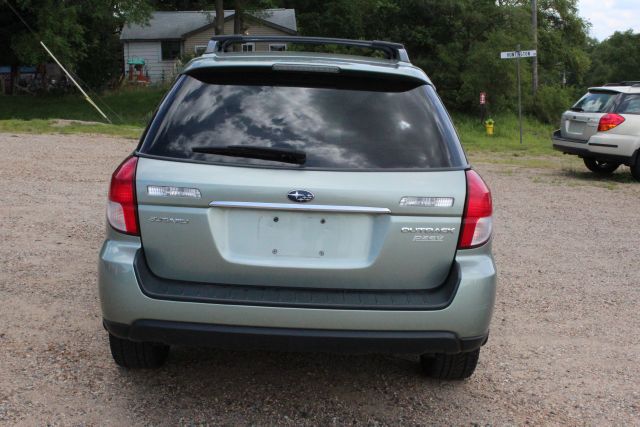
(122, 209)
(609, 121)
(476, 221)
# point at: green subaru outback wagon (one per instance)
(299, 201)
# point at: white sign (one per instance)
(521, 54)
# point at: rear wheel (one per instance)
(137, 355)
(635, 170)
(450, 366)
(600, 167)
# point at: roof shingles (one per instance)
(174, 25)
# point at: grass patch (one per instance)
(55, 126)
(133, 106)
(506, 138)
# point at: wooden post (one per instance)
(534, 27)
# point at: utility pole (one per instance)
(534, 27)
(519, 91)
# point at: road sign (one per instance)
(517, 54)
(483, 98)
(520, 54)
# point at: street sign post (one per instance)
(517, 54)
(522, 54)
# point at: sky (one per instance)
(609, 16)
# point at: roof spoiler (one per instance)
(395, 51)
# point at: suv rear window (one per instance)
(337, 121)
(595, 102)
(630, 104)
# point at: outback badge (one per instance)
(300, 196)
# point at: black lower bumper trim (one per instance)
(583, 152)
(290, 339)
(277, 296)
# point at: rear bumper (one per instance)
(293, 339)
(603, 148)
(464, 315)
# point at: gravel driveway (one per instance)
(563, 348)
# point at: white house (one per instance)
(169, 35)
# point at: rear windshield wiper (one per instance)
(576, 109)
(264, 153)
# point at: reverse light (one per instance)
(427, 202)
(477, 222)
(122, 209)
(609, 121)
(164, 191)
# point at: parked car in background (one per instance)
(300, 201)
(603, 128)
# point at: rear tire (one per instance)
(450, 366)
(635, 169)
(137, 355)
(600, 167)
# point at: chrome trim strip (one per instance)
(301, 207)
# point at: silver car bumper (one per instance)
(128, 311)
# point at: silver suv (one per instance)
(302, 202)
(603, 128)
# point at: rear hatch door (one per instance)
(245, 230)
(581, 121)
(354, 143)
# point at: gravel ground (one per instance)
(563, 348)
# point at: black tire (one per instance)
(137, 355)
(635, 169)
(450, 366)
(600, 167)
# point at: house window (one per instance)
(280, 47)
(171, 49)
(200, 49)
(248, 47)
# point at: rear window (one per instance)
(630, 104)
(596, 102)
(337, 121)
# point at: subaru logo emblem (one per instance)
(300, 196)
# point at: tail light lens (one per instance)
(122, 209)
(476, 221)
(609, 121)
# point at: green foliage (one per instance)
(616, 59)
(457, 42)
(82, 34)
(551, 101)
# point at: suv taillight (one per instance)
(476, 220)
(122, 208)
(609, 121)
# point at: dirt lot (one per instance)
(563, 348)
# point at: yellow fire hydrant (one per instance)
(488, 125)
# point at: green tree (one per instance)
(616, 59)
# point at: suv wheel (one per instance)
(137, 355)
(450, 366)
(600, 167)
(635, 169)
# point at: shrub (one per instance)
(551, 101)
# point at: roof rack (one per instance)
(395, 51)
(625, 83)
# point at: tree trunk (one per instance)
(219, 21)
(238, 23)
